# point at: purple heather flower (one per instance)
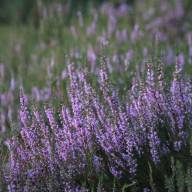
(177, 145)
(116, 172)
(91, 57)
(146, 190)
(122, 9)
(80, 18)
(136, 33)
(23, 112)
(154, 143)
(112, 22)
(121, 36)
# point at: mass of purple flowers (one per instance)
(99, 134)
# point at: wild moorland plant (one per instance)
(101, 143)
(99, 109)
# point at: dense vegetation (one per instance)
(96, 96)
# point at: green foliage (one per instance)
(180, 179)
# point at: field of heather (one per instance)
(96, 96)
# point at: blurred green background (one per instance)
(25, 11)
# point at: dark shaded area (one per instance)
(16, 10)
(24, 11)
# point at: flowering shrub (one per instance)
(123, 125)
(99, 134)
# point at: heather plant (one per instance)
(99, 109)
(99, 135)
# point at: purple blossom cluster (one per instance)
(98, 133)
